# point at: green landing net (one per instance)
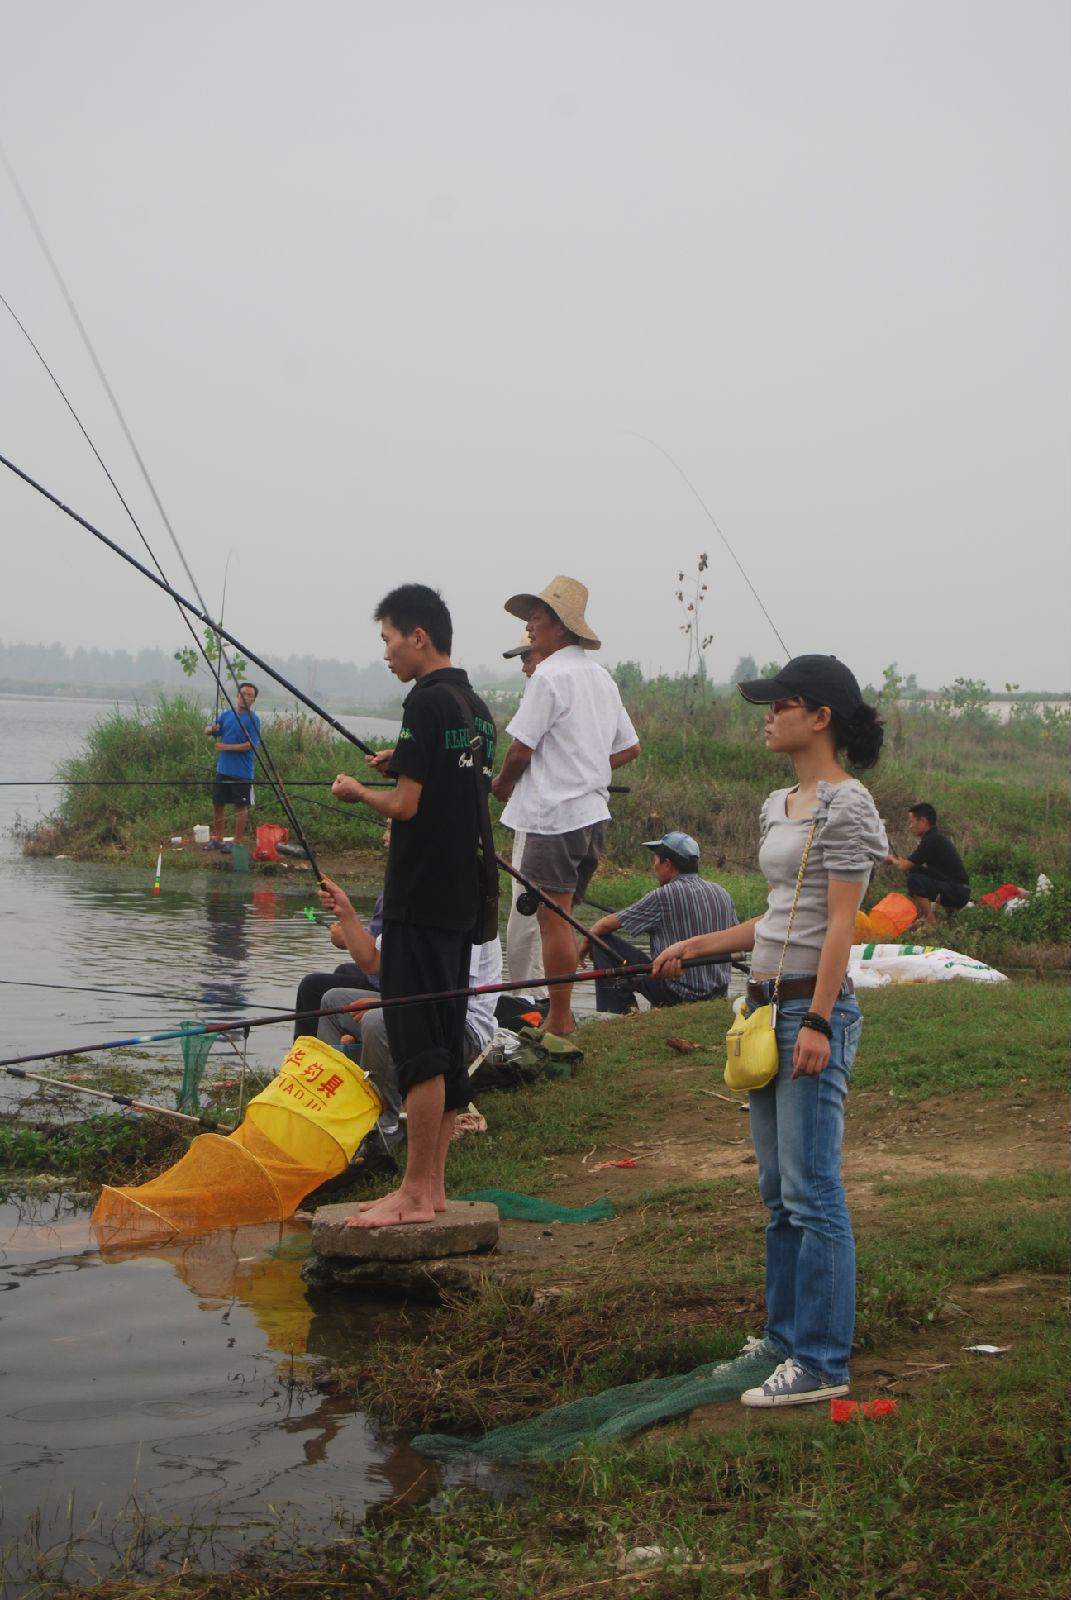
(526, 1208)
(195, 1047)
(611, 1415)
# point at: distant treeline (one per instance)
(50, 665)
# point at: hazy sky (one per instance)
(389, 290)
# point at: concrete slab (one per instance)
(464, 1227)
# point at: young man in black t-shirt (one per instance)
(434, 889)
(935, 873)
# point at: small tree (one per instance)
(691, 595)
(189, 659)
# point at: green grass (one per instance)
(944, 1038)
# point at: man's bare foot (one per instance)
(392, 1209)
(439, 1204)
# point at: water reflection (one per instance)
(166, 1389)
(224, 986)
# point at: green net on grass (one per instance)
(196, 1044)
(610, 1415)
(526, 1208)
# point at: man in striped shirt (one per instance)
(683, 905)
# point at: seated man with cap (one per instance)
(683, 900)
(569, 733)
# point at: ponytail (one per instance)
(860, 735)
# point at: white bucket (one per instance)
(201, 833)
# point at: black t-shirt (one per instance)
(937, 855)
(433, 875)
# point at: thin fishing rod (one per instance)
(39, 235)
(118, 1099)
(267, 765)
(710, 515)
(381, 1003)
(103, 465)
(222, 609)
(552, 905)
(194, 610)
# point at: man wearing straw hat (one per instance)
(524, 947)
(569, 733)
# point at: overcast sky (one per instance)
(393, 290)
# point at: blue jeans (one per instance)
(797, 1127)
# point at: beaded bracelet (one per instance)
(818, 1023)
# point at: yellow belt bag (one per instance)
(751, 1043)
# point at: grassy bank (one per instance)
(955, 1160)
(1001, 791)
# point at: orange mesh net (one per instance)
(301, 1130)
(891, 917)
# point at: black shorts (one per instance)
(231, 792)
(427, 1039)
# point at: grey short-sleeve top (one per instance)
(849, 841)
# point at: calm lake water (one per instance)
(152, 1405)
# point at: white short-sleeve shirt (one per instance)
(572, 719)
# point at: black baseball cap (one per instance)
(823, 680)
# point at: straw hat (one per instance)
(566, 597)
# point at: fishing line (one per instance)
(87, 988)
(739, 567)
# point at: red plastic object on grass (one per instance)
(1000, 897)
(845, 1410)
(269, 834)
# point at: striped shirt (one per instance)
(685, 906)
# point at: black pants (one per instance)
(618, 995)
(313, 987)
(953, 896)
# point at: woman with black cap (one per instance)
(814, 710)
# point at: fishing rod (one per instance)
(119, 1099)
(264, 756)
(382, 1003)
(710, 515)
(612, 911)
(534, 897)
(195, 611)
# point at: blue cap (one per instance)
(680, 844)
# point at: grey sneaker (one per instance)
(790, 1385)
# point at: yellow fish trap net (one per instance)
(301, 1130)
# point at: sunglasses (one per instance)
(777, 706)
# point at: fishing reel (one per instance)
(528, 903)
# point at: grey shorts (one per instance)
(564, 863)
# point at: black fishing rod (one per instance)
(195, 611)
(382, 1003)
(119, 1099)
(534, 896)
(262, 756)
